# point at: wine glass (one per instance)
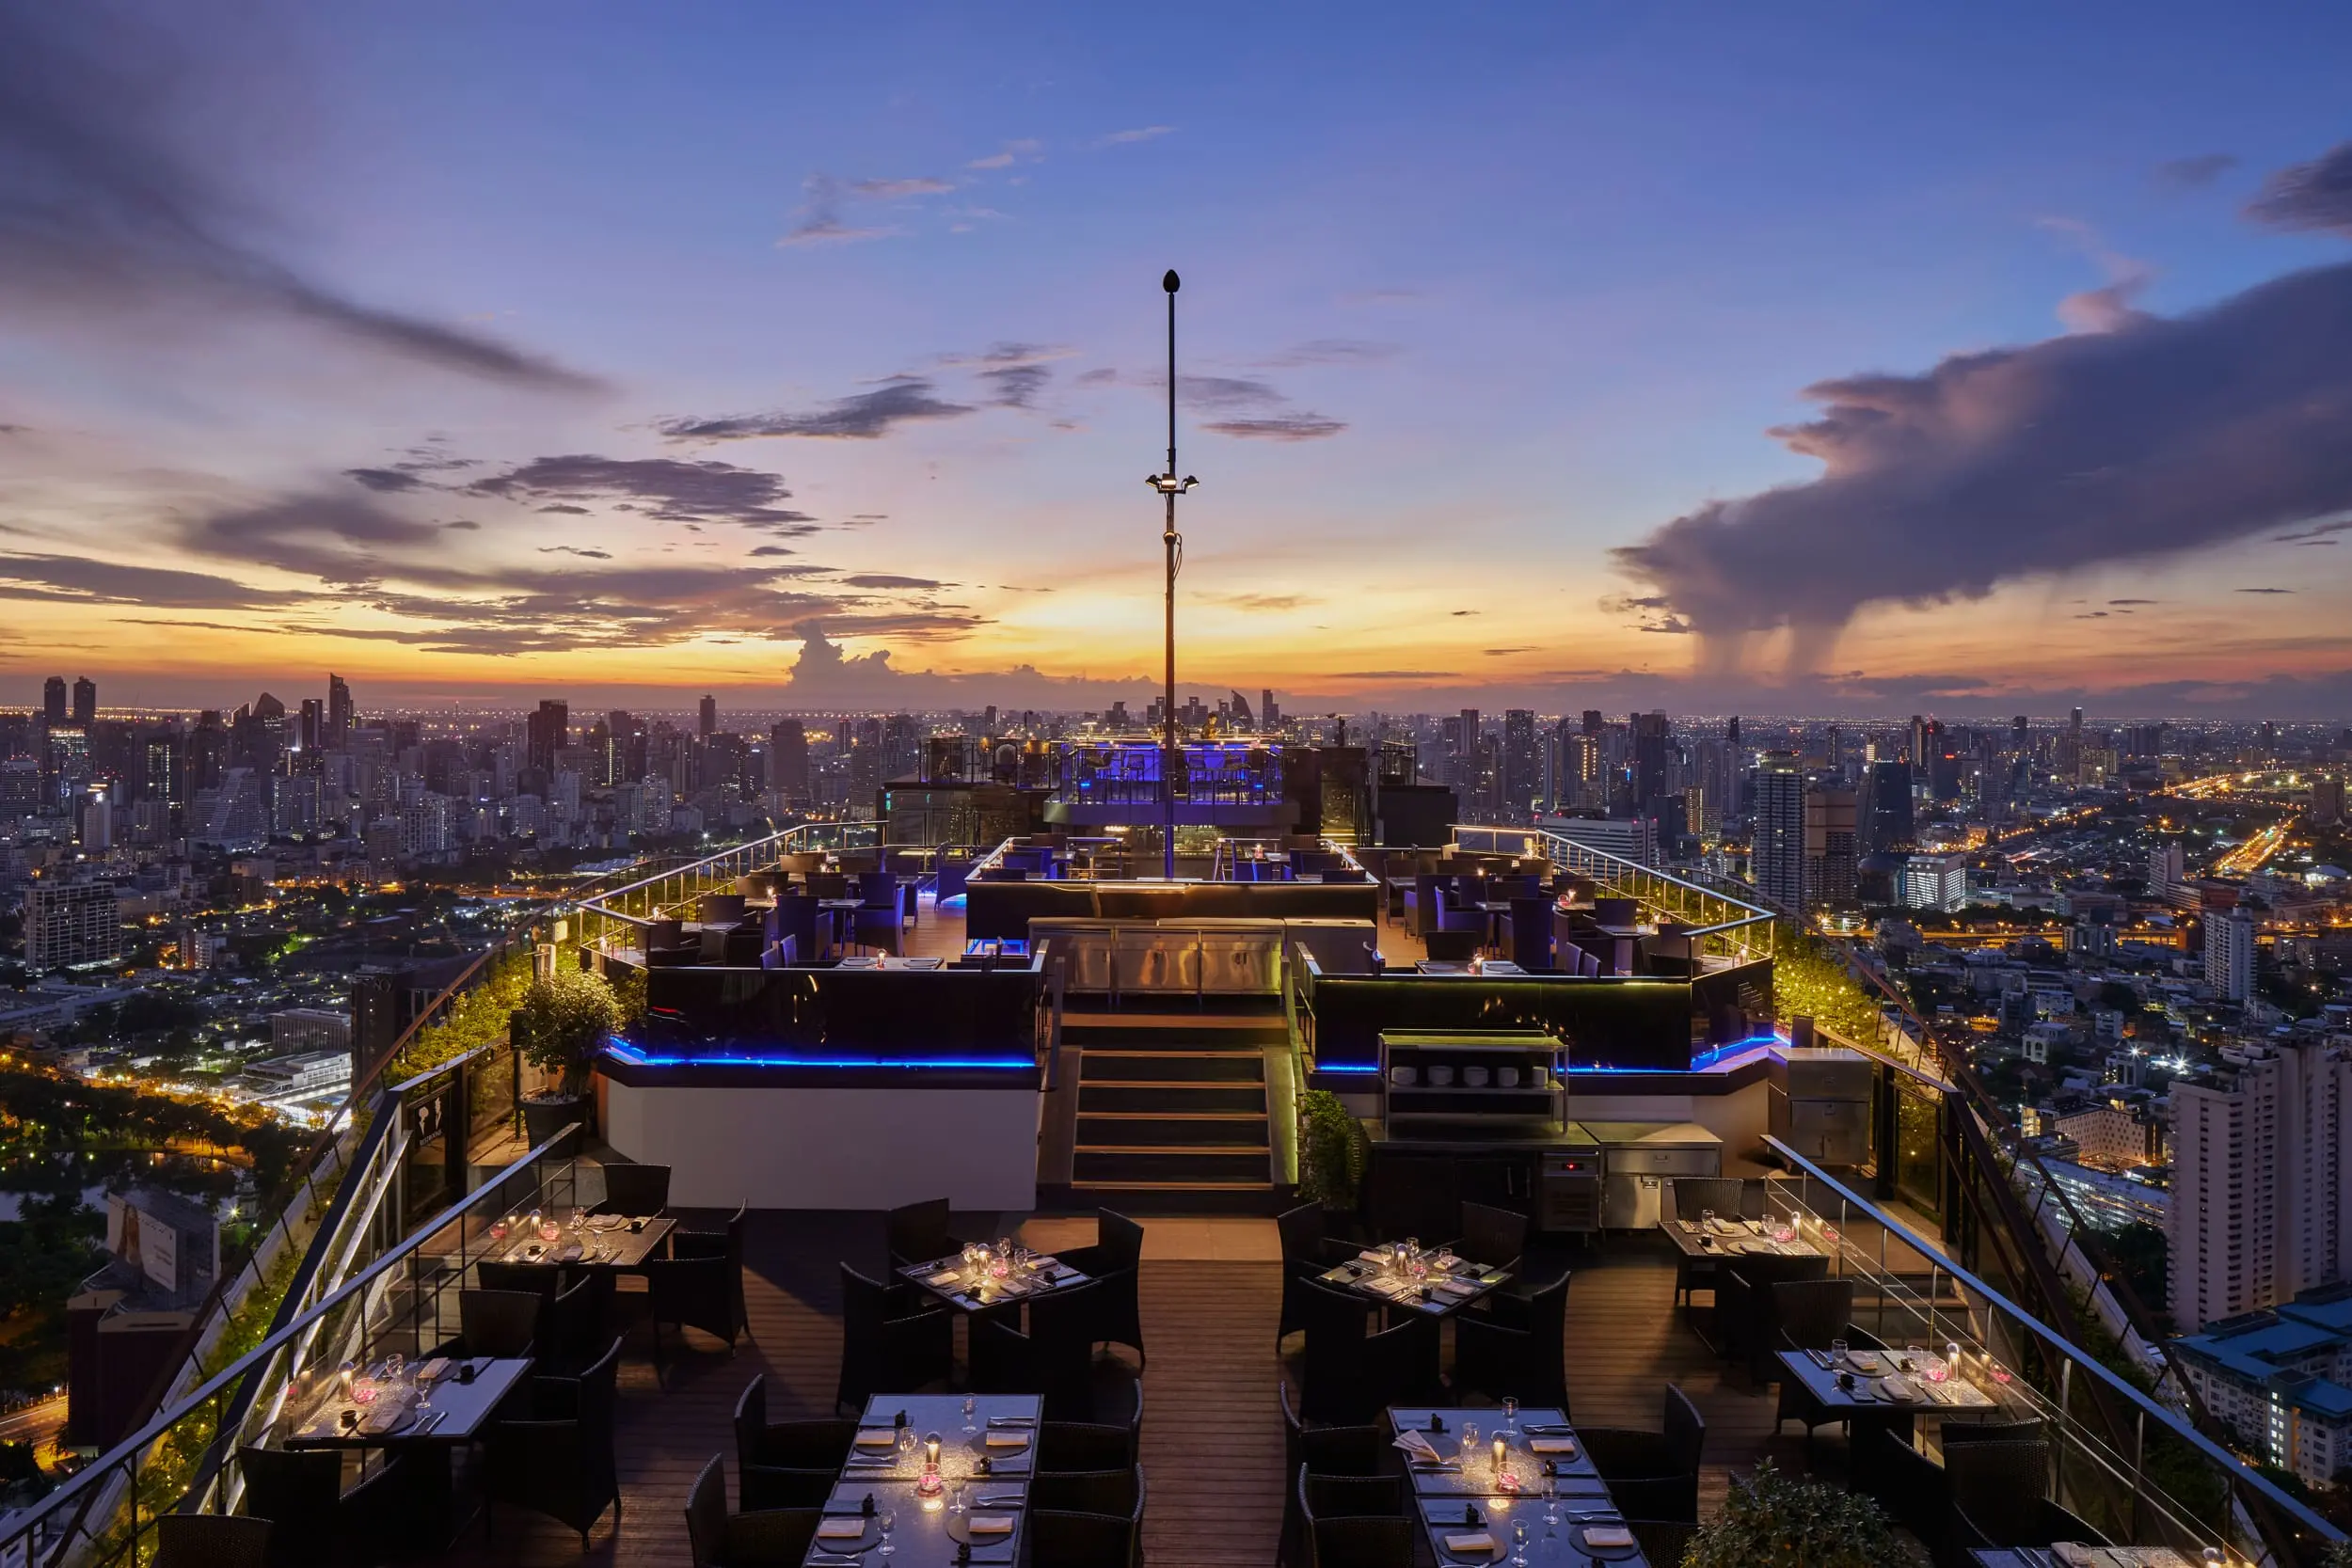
(971, 1408)
(1510, 1412)
(1551, 1497)
(1519, 1543)
(1469, 1444)
(955, 1496)
(884, 1521)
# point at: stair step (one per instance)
(1182, 1099)
(1098, 1065)
(1165, 1164)
(1135, 1129)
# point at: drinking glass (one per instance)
(885, 1520)
(1519, 1543)
(1707, 1219)
(1510, 1412)
(971, 1407)
(1551, 1498)
(1838, 1353)
(1470, 1443)
(906, 1444)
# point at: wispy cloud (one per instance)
(2195, 173)
(818, 219)
(1024, 151)
(667, 488)
(1140, 132)
(862, 417)
(899, 190)
(2310, 195)
(113, 208)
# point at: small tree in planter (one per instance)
(1773, 1520)
(563, 1021)
(1331, 1150)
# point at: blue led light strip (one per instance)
(638, 1056)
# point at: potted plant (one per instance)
(1775, 1519)
(563, 1021)
(1331, 1150)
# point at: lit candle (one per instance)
(1503, 1454)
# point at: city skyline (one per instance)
(650, 363)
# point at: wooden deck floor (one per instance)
(1212, 1443)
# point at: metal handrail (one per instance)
(2109, 1383)
(602, 904)
(25, 1529)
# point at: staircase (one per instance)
(1173, 1112)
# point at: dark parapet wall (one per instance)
(1609, 1024)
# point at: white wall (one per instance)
(832, 1148)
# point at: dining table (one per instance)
(1434, 1283)
(425, 1413)
(1473, 1511)
(604, 1243)
(954, 1283)
(1867, 1382)
(986, 1447)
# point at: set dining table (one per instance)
(1536, 1498)
(2073, 1556)
(428, 1411)
(1432, 1282)
(600, 1243)
(942, 1478)
(989, 1280)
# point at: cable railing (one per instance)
(1721, 925)
(2121, 1461)
(404, 1301)
(649, 899)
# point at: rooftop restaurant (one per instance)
(1331, 1204)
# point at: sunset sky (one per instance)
(815, 356)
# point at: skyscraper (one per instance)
(1269, 716)
(2262, 1181)
(707, 721)
(1653, 735)
(53, 700)
(1829, 860)
(339, 715)
(84, 701)
(1778, 821)
(1886, 824)
(788, 761)
(2230, 953)
(548, 732)
(1522, 764)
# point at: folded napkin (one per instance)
(1416, 1445)
(2075, 1556)
(876, 1437)
(1864, 1361)
(841, 1530)
(381, 1418)
(1607, 1535)
(1721, 1227)
(1457, 1287)
(1370, 1257)
(987, 1525)
(1008, 1439)
(570, 1254)
(1899, 1388)
(437, 1368)
(1552, 1445)
(1463, 1546)
(950, 1278)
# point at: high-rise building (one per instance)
(2166, 867)
(788, 761)
(1653, 738)
(70, 923)
(1522, 766)
(2262, 1180)
(2326, 799)
(1269, 716)
(547, 732)
(338, 713)
(84, 701)
(53, 700)
(2230, 953)
(310, 727)
(1886, 821)
(707, 721)
(1777, 820)
(1830, 858)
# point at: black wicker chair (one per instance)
(641, 1192)
(917, 1233)
(1744, 1309)
(883, 1348)
(1080, 1446)
(1114, 1263)
(1812, 1315)
(497, 1323)
(2000, 1494)
(301, 1494)
(1305, 1252)
(577, 1324)
(1336, 1324)
(1492, 1236)
(767, 1537)
(1062, 1539)
(557, 1459)
(1054, 1361)
(1653, 1475)
(1112, 1492)
(1689, 1197)
(700, 1285)
(1526, 1361)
